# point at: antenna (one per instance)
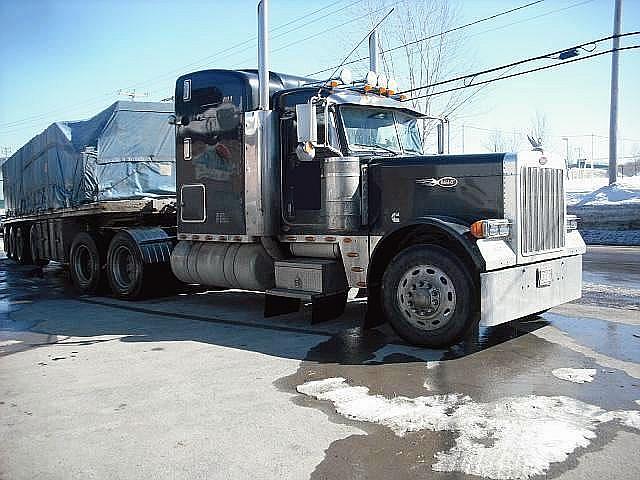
(360, 43)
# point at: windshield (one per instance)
(380, 129)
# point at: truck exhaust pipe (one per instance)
(373, 52)
(263, 54)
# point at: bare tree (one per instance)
(428, 56)
(497, 141)
(539, 129)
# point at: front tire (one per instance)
(428, 296)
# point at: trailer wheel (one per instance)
(12, 242)
(87, 260)
(428, 296)
(22, 253)
(7, 241)
(36, 243)
(125, 267)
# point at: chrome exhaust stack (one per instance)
(263, 54)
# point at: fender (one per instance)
(155, 245)
(452, 228)
(450, 232)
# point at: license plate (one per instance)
(545, 276)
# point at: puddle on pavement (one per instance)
(499, 362)
(20, 286)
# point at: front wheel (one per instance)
(428, 296)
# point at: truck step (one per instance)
(324, 307)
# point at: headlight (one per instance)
(492, 228)
(571, 221)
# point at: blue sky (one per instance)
(65, 60)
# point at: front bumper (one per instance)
(522, 290)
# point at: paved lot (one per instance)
(200, 386)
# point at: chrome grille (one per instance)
(542, 214)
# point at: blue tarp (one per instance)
(126, 151)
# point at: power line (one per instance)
(519, 62)
(523, 73)
(459, 27)
(100, 98)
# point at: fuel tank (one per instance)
(247, 266)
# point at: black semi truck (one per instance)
(304, 189)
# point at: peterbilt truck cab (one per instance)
(325, 187)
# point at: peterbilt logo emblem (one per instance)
(445, 182)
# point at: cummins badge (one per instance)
(445, 182)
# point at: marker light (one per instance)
(382, 81)
(346, 77)
(392, 87)
(371, 79)
(489, 229)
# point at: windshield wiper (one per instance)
(381, 147)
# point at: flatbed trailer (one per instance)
(99, 195)
(122, 244)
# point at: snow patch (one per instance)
(510, 438)
(575, 375)
(625, 191)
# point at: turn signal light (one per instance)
(494, 228)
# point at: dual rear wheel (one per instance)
(97, 264)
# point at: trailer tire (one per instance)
(129, 277)
(22, 253)
(35, 242)
(7, 241)
(12, 243)
(87, 263)
(428, 296)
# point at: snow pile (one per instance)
(575, 375)
(625, 191)
(510, 438)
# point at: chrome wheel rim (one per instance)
(124, 267)
(426, 297)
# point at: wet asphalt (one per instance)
(61, 355)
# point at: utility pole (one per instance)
(613, 113)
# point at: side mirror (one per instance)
(307, 127)
(171, 119)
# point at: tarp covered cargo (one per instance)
(124, 152)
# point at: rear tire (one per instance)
(22, 253)
(36, 244)
(12, 243)
(7, 241)
(428, 296)
(126, 269)
(87, 263)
